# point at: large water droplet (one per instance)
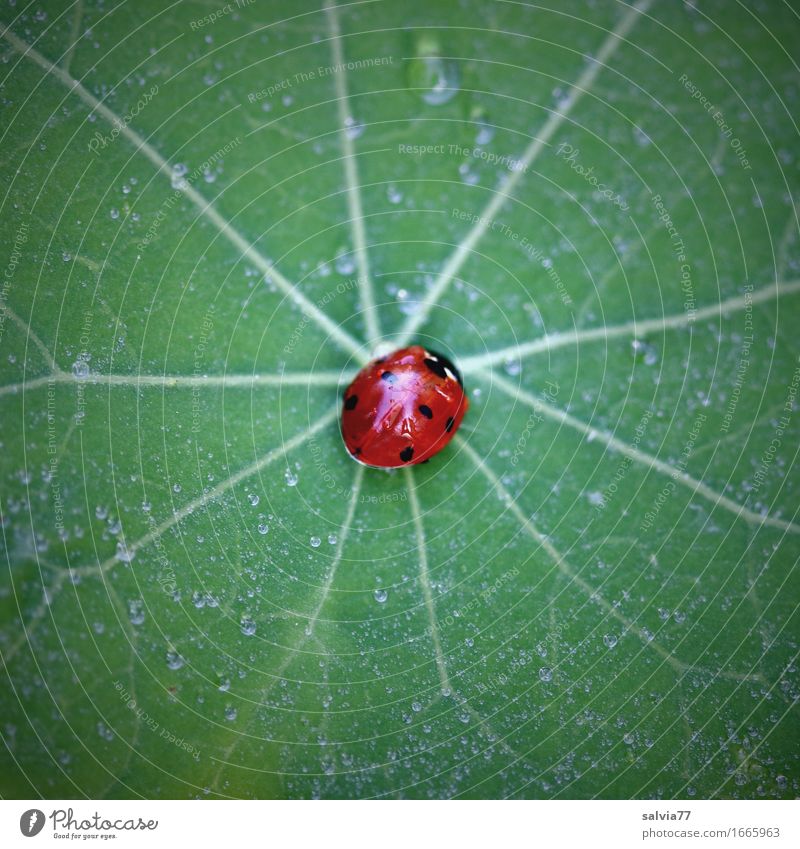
(380, 596)
(437, 79)
(248, 626)
(290, 477)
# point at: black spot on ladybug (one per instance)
(350, 403)
(450, 422)
(356, 452)
(439, 364)
(436, 367)
(406, 454)
(389, 377)
(426, 411)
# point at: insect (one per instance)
(403, 408)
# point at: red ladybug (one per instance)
(402, 409)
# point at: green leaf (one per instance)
(211, 218)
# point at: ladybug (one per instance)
(403, 408)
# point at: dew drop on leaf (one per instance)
(610, 640)
(124, 552)
(174, 660)
(136, 612)
(394, 194)
(435, 78)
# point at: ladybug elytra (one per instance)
(402, 409)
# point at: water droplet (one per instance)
(546, 674)
(485, 134)
(80, 368)
(353, 128)
(174, 660)
(253, 499)
(679, 616)
(179, 170)
(627, 739)
(114, 212)
(345, 264)
(468, 177)
(380, 596)
(641, 137)
(512, 367)
(333, 539)
(248, 626)
(644, 352)
(437, 79)
(101, 511)
(263, 528)
(290, 477)
(394, 194)
(124, 553)
(230, 713)
(146, 507)
(610, 640)
(176, 487)
(416, 707)
(136, 611)
(224, 685)
(315, 542)
(782, 781)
